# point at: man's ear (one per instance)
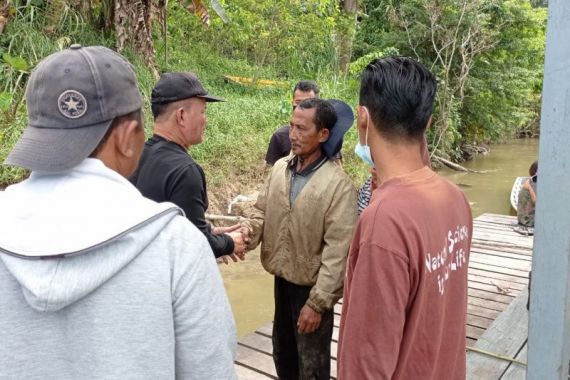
(180, 115)
(125, 138)
(361, 116)
(324, 135)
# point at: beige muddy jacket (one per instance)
(306, 243)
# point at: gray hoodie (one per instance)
(131, 290)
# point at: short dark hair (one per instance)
(135, 115)
(399, 93)
(158, 109)
(325, 114)
(307, 86)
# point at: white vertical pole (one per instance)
(549, 326)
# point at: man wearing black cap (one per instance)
(167, 172)
(97, 281)
(305, 216)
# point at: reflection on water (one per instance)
(490, 191)
(250, 288)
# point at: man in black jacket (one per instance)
(167, 172)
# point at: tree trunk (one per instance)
(346, 35)
(133, 27)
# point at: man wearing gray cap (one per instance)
(97, 281)
(167, 172)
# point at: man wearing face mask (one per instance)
(305, 216)
(405, 297)
(371, 183)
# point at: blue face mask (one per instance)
(363, 151)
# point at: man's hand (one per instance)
(309, 320)
(246, 234)
(225, 230)
(226, 258)
(239, 246)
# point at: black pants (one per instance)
(299, 356)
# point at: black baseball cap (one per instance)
(172, 87)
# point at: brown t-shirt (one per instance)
(405, 295)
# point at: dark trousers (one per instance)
(299, 356)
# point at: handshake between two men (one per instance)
(241, 237)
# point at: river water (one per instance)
(250, 288)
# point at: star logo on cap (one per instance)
(72, 104)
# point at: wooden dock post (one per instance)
(549, 327)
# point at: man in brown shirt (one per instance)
(405, 294)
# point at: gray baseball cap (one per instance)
(72, 98)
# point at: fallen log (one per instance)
(226, 218)
(454, 166)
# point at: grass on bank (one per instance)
(238, 130)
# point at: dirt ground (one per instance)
(221, 196)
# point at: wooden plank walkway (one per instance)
(498, 271)
(506, 337)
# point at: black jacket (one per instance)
(167, 172)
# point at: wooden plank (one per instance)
(498, 218)
(503, 253)
(482, 312)
(506, 336)
(522, 262)
(264, 344)
(499, 284)
(487, 304)
(499, 276)
(244, 373)
(513, 249)
(522, 253)
(503, 236)
(338, 308)
(266, 329)
(500, 245)
(493, 240)
(481, 223)
(493, 289)
(500, 261)
(474, 332)
(499, 241)
(501, 230)
(476, 321)
(472, 292)
(255, 360)
(517, 371)
(258, 342)
(498, 269)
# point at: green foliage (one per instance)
(293, 37)
(290, 40)
(506, 82)
(5, 101)
(486, 54)
(358, 66)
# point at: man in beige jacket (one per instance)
(305, 217)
